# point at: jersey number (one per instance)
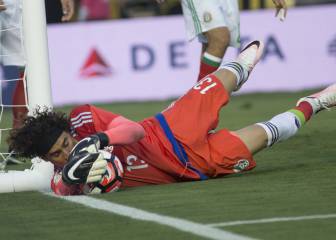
(204, 87)
(134, 163)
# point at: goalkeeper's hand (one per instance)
(281, 9)
(91, 144)
(84, 167)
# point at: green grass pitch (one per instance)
(294, 178)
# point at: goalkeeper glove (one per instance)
(85, 163)
(91, 144)
(84, 167)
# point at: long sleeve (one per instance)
(123, 131)
(88, 119)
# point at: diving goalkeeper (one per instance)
(178, 144)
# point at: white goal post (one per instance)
(38, 88)
(36, 54)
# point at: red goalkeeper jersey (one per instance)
(151, 160)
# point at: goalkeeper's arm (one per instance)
(86, 164)
(120, 131)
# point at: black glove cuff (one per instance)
(103, 139)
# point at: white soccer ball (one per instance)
(112, 180)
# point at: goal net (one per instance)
(23, 43)
(13, 60)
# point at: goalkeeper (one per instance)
(176, 145)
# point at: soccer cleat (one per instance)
(251, 54)
(324, 99)
(249, 57)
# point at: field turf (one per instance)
(293, 179)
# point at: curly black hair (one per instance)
(36, 131)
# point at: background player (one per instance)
(11, 48)
(173, 146)
(216, 24)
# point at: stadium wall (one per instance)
(149, 58)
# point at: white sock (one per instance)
(211, 59)
(280, 127)
(237, 69)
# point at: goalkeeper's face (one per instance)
(60, 151)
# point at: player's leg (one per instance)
(230, 152)
(224, 151)
(216, 24)
(287, 124)
(234, 74)
(218, 40)
(13, 56)
(196, 113)
(19, 113)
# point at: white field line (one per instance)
(272, 220)
(177, 223)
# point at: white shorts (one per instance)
(203, 15)
(11, 47)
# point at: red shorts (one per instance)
(191, 118)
